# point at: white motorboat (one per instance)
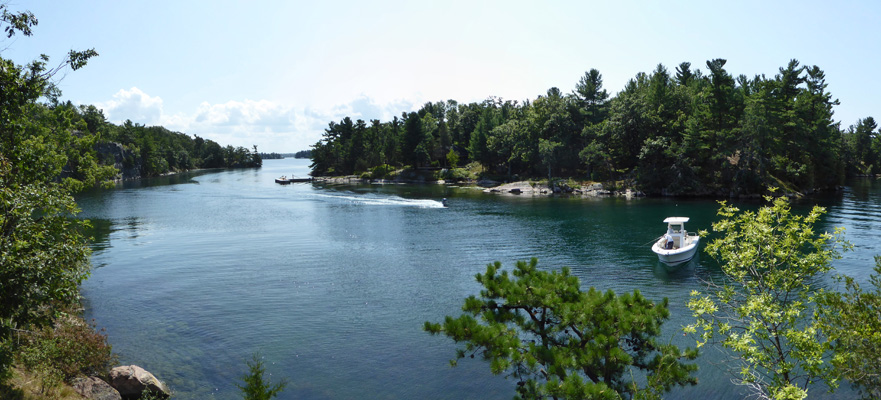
(677, 246)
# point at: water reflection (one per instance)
(681, 271)
(98, 231)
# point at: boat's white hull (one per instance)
(679, 255)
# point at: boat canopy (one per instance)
(676, 220)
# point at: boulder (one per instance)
(94, 388)
(132, 380)
(512, 188)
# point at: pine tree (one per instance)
(558, 341)
(256, 387)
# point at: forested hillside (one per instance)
(155, 150)
(685, 132)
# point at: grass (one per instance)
(27, 385)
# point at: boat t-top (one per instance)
(677, 245)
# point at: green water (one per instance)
(194, 273)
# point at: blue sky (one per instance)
(274, 73)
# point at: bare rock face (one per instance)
(126, 161)
(94, 388)
(132, 380)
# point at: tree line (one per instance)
(686, 132)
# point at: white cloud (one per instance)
(249, 112)
(269, 125)
(135, 105)
(366, 108)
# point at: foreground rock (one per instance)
(131, 381)
(94, 388)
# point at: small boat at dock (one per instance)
(284, 180)
(677, 245)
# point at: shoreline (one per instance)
(562, 187)
(518, 188)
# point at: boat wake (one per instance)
(376, 200)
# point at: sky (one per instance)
(275, 73)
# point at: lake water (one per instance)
(331, 284)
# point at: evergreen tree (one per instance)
(684, 74)
(591, 97)
(414, 147)
(558, 341)
(863, 146)
(256, 385)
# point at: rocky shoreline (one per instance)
(124, 382)
(519, 188)
(524, 188)
(541, 188)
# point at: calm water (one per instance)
(331, 284)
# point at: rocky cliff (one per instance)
(126, 161)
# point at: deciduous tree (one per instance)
(762, 313)
(43, 255)
(852, 321)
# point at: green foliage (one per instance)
(690, 133)
(43, 255)
(548, 151)
(453, 158)
(558, 341)
(864, 147)
(459, 175)
(16, 21)
(762, 312)
(151, 395)
(66, 350)
(256, 387)
(381, 171)
(852, 321)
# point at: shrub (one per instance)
(67, 349)
(384, 171)
(458, 175)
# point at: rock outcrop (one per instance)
(533, 189)
(126, 161)
(94, 388)
(131, 381)
(516, 188)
